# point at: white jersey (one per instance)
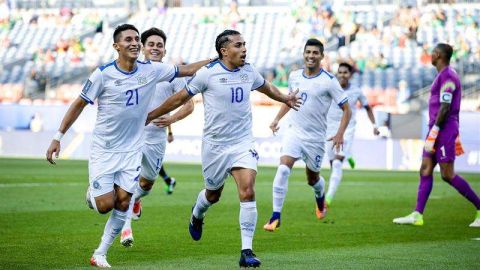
(123, 100)
(335, 113)
(154, 134)
(226, 98)
(317, 92)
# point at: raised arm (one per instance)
(190, 69)
(372, 119)
(70, 117)
(169, 105)
(167, 120)
(338, 138)
(291, 100)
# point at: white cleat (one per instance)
(414, 218)
(126, 238)
(475, 223)
(99, 261)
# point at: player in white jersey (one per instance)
(123, 89)
(153, 41)
(345, 72)
(228, 144)
(305, 132)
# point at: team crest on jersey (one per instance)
(118, 82)
(243, 77)
(223, 80)
(141, 80)
(96, 185)
(86, 87)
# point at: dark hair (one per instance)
(347, 65)
(314, 42)
(446, 51)
(153, 32)
(121, 28)
(223, 40)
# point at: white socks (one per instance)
(319, 187)
(335, 178)
(201, 206)
(248, 221)
(128, 222)
(139, 192)
(280, 187)
(112, 229)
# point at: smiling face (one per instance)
(154, 48)
(128, 45)
(235, 51)
(312, 57)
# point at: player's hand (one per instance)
(54, 148)
(293, 101)
(430, 141)
(337, 142)
(163, 121)
(375, 131)
(458, 147)
(274, 126)
(170, 138)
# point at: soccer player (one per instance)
(153, 41)
(228, 144)
(444, 108)
(123, 89)
(305, 133)
(354, 94)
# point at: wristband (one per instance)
(375, 126)
(58, 136)
(170, 133)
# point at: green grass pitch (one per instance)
(45, 223)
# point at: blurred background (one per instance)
(48, 48)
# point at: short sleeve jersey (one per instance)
(123, 99)
(335, 113)
(445, 88)
(317, 92)
(226, 98)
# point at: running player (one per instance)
(153, 41)
(345, 72)
(305, 134)
(123, 89)
(228, 144)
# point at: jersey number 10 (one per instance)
(237, 94)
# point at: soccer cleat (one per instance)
(137, 210)
(99, 261)
(328, 200)
(88, 199)
(126, 238)
(351, 162)
(320, 207)
(274, 223)
(476, 222)
(248, 259)
(195, 227)
(414, 218)
(170, 187)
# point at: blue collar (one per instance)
(227, 69)
(314, 76)
(124, 72)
